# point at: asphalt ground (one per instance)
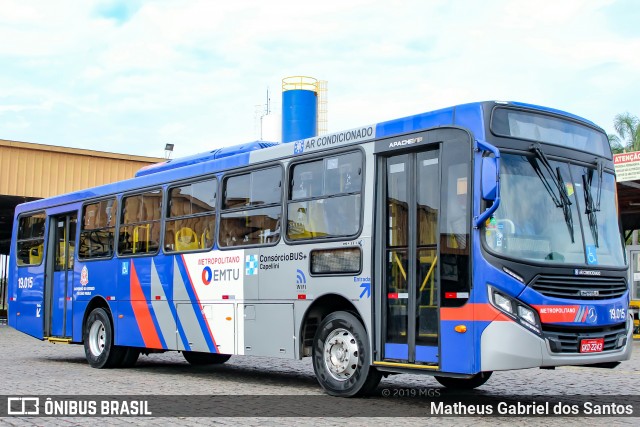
(266, 391)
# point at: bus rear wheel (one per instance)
(341, 359)
(198, 358)
(465, 383)
(99, 349)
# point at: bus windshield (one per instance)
(545, 128)
(530, 223)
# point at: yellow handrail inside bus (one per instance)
(424, 283)
(136, 236)
(404, 273)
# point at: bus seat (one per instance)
(35, 254)
(186, 239)
(317, 219)
(206, 239)
(299, 225)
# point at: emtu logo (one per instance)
(300, 277)
(207, 275)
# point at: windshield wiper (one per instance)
(592, 207)
(600, 166)
(562, 200)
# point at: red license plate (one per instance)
(593, 345)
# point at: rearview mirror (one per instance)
(489, 178)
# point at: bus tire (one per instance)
(465, 383)
(341, 359)
(130, 358)
(200, 358)
(99, 349)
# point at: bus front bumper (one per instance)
(507, 345)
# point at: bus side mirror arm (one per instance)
(489, 180)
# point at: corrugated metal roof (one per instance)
(37, 170)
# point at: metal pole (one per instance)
(4, 260)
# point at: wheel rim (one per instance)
(341, 354)
(97, 337)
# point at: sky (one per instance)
(131, 76)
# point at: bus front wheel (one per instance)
(198, 358)
(341, 359)
(465, 383)
(99, 349)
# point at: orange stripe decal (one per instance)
(473, 312)
(142, 313)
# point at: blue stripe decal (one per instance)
(194, 300)
(143, 268)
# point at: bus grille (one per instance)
(582, 288)
(566, 339)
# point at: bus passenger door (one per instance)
(633, 255)
(411, 197)
(59, 278)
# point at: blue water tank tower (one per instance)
(299, 108)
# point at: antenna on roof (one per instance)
(268, 103)
(168, 149)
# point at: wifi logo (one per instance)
(300, 277)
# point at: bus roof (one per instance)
(469, 116)
(203, 157)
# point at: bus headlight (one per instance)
(503, 302)
(517, 310)
(527, 315)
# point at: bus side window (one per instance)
(325, 198)
(190, 224)
(343, 174)
(455, 224)
(257, 222)
(30, 242)
(140, 223)
(97, 230)
(307, 180)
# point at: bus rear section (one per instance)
(43, 275)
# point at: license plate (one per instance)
(593, 345)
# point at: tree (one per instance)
(627, 128)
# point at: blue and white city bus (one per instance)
(454, 243)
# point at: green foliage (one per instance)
(614, 142)
(627, 128)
